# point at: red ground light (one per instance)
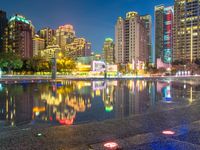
(168, 132)
(111, 145)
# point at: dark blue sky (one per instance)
(92, 19)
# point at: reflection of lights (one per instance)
(59, 84)
(54, 88)
(50, 118)
(50, 99)
(107, 91)
(109, 108)
(38, 109)
(76, 104)
(1, 87)
(191, 95)
(37, 113)
(111, 145)
(98, 85)
(168, 132)
(169, 69)
(98, 92)
(167, 94)
(66, 121)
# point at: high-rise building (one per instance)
(164, 33)
(168, 34)
(119, 41)
(64, 35)
(148, 23)
(159, 19)
(3, 25)
(79, 47)
(108, 51)
(38, 44)
(20, 36)
(186, 33)
(48, 35)
(131, 39)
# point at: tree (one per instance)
(121, 68)
(66, 64)
(44, 66)
(10, 61)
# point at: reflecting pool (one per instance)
(75, 102)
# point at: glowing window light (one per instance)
(111, 145)
(168, 132)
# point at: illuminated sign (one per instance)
(98, 66)
(168, 28)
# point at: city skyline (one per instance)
(82, 15)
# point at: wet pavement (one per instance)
(141, 132)
(83, 115)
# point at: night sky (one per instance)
(92, 19)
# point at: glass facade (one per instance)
(167, 40)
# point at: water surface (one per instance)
(75, 102)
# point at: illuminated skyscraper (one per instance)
(159, 19)
(186, 30)
(164, 33)
(3, 25)
(168, 34)
(131, 39)
(119, 40)
(148, 23)
(108, 51)
(20, 36)
(65, 35)
(48, 35)
(38, 44)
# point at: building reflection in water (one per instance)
(16, 103)
(71, 102)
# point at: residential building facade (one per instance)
(38, 44)
(20, 36)
(131, 38)
(3, 30)
(186, 33)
